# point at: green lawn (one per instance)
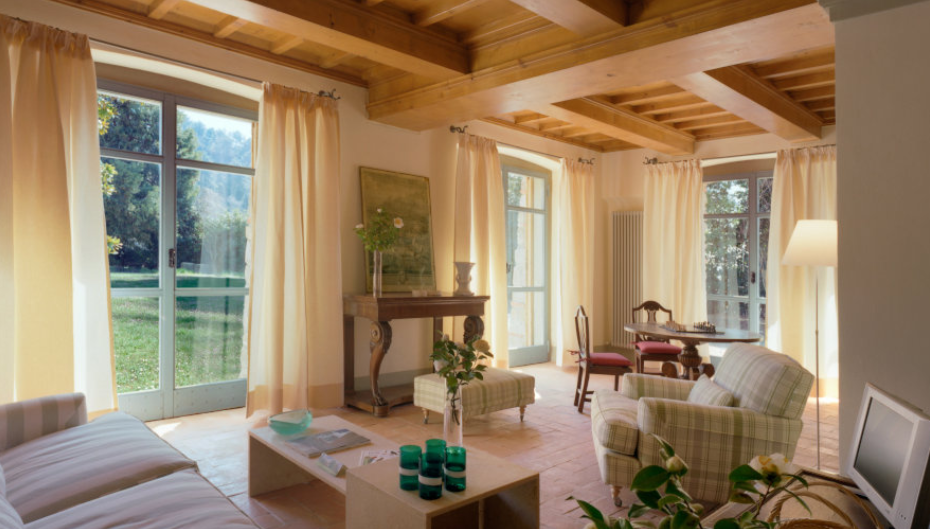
(208, 345)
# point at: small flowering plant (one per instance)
(754, 483)
(381, 233)
(459, 363)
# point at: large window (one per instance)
(526, 204)
(176, 181)
(736, 224)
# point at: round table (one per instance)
(689, 357)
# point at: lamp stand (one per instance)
(817, 357)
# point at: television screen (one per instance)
(883, 446)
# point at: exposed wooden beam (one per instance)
(228, 26)
(598, 115)
(806, 63)
(440, 10)
(353, 28)
(647, 96)
(138, 19)
(159, 8)
(728, 131)
(813, 94)
(506, 124)
(335, 59)
(371, 3)
(584, 17)
(286, 44)
(743, 93)
(529, 117)
(700, 38)
(811, 80)
(683, 101)
(515, 24)
(690, 115)
(728, 119)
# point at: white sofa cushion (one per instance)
(9, 518)
(710, 394)
(72, 466)
(181, 500)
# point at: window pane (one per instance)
(208, 339)
(213, 210)
(214, 138)
(726, 256)
(526, 191)
(135, 343)
(526, 249)
(728, 314)
(132, 205)
(765, 195)
(763, 255)
(762, 328)
(526, 319)
(727, 196)
(132, 124)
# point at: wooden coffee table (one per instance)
(274, 465)
(499, 494)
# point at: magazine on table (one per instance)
(373, 456)
(331, 441)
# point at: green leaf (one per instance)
(667, 450)
(638, 509)
(650, 498)
(673, 488)
(746, 486)
(799, 479)
(669, 500)
(801, 501)
(591, 512)
(745, 473)
(728, 523)
(666, 523)
(685, 520)
(739, 497)
(650, 478)
(623, 524)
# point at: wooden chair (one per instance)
(597, 363)
(652, 349)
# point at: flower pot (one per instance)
(463, 278)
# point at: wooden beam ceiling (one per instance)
(706, 37)
(159, 8)
(228, 26)
(438, 11)
(583, 17)
(600, 116)
(739, 91)
(350, 27)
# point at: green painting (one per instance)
(408, 266)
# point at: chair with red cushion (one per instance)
(597, 363)
(654, 349)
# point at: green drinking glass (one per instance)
(410, 467)
(455, 469)
(430, 481)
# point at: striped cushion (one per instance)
(765, 381)
(712, 440)
(613, 421)
(180, 500)
(706, 392)
(501, 389)
(63, 469)
(637, 385)
(29, 419)
(9, 518)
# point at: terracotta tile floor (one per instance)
(554, 439)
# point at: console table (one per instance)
(381, 310)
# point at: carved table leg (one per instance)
(380, 344)
(474, 328)
(690, 361)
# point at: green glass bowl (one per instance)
(290, 422)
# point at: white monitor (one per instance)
(889, 461)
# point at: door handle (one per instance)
(172, 258)
(752, 278)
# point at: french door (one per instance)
(177, 180)
(736, 236)
(526, 207)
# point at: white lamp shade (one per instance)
(813, 243)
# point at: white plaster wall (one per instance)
(883, 194)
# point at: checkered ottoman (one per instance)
(501, 389)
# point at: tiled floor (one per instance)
(554, 439)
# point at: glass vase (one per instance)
(453, 425)
(376, 273)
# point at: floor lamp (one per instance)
(813, 243)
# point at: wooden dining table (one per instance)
(689, 358)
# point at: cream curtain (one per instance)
(803, 187)
(295, 303)
(480, 232)
(572, 253)
(673, 239)
(55, 331)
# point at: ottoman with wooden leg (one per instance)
(501, 389)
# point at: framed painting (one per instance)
(408, 266)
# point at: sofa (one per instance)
(59, 471)
(752, 407)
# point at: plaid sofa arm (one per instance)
(712, 440)
(24, 421)
(637, 386)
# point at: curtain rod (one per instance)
(323, 93)
(655, 160)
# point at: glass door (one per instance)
(177, 181)
(526, 207)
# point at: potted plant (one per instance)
(458, 363)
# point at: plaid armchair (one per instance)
(767, 392)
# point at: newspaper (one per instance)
(331, 441)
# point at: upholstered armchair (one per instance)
(752, 407)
